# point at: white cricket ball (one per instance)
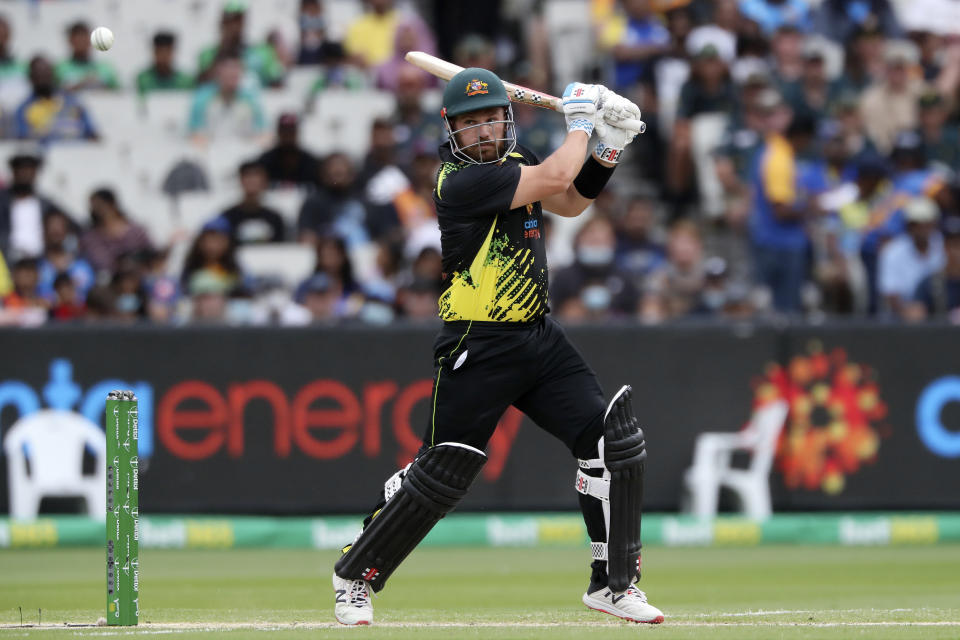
(101, 621)
(101, 38)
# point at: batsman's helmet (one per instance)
(471, 90)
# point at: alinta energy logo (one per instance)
(835, 421)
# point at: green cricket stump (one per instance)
(123, 526)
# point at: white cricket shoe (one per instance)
(630, 605)
(353, 601)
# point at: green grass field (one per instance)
(765, 592)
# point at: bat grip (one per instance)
(639, 126)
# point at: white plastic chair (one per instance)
(290, 262)
(341, 121)
(53, 441)
(287, 203)
(711, 467)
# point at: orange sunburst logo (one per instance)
(832, 428)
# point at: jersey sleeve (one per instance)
(478, 190)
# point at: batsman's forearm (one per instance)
(564, 164)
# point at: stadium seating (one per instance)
(291, 263)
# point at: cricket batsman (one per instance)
(498, 347)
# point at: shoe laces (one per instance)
(359, 593)
(635, 593)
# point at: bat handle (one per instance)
(638, 126)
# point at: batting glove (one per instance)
(614, 139)
(581, 103)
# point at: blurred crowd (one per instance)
(801, 161)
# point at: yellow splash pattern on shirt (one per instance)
(498, 286)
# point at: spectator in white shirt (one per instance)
(23, 210)
(910, 258)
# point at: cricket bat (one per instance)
(516, 93)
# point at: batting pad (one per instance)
(434, 484)
(624, 456)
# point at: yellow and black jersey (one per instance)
(494, 260)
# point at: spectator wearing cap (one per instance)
(890, 105)
(643, 39)
(813, 94)
(259, 60)
(863, 60)
(709, 92)
(778, 216)
(162, 75)
(23, 210)
(112, 235)
(370, 37)
(50, 115)
(214, 255)
(335, 208)
(287, 163)
(81, 70)
(322, 296)
(594, 287)
(225, 108)
(909, 259)
(940, 138)
(839, 20)
(940, 292)
(251, 222)
(774, 14)
(713, 296)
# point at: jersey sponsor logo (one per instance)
(530, 230)
(476, 87)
